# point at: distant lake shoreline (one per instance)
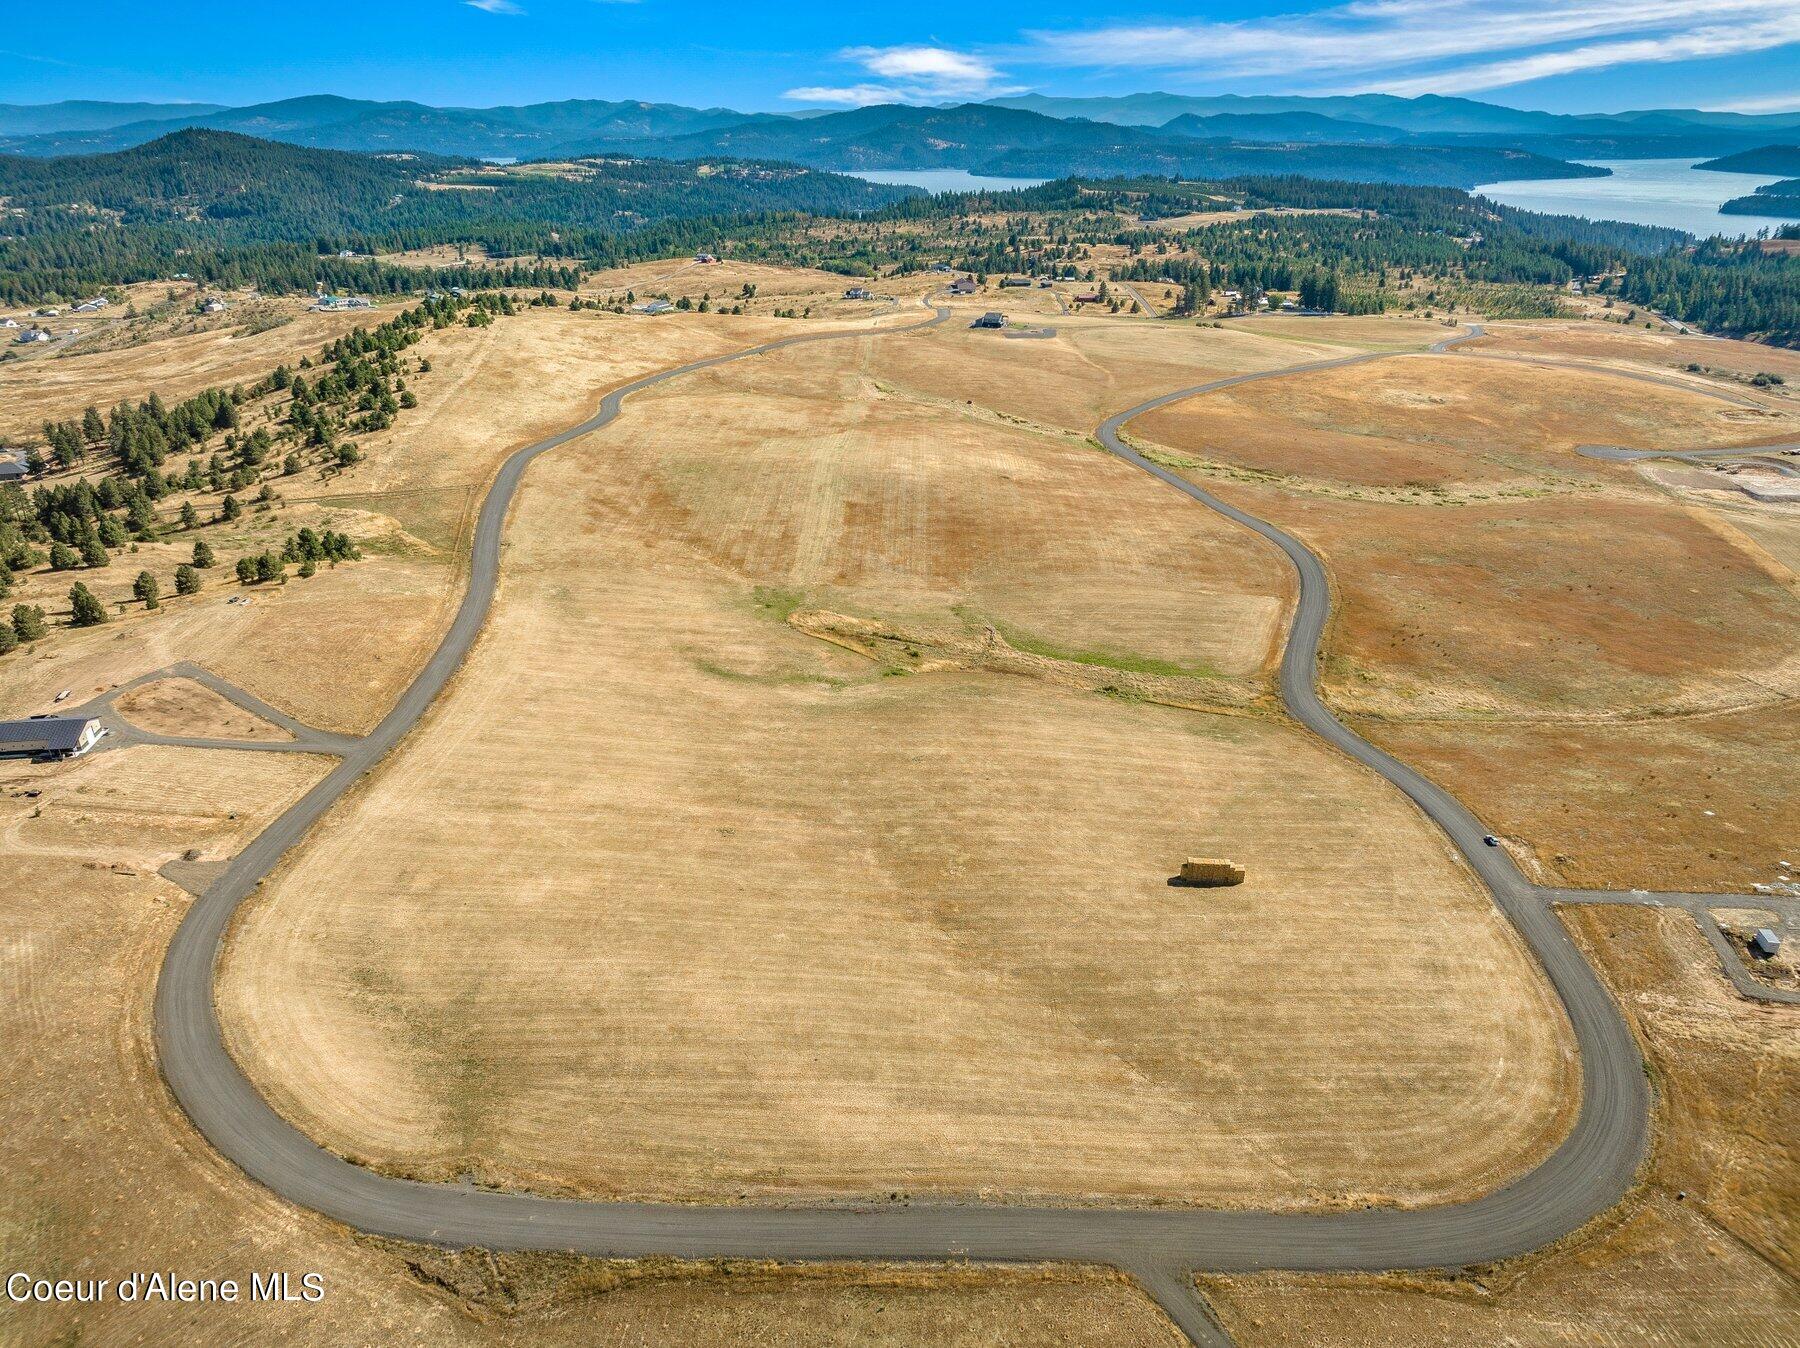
(946, 180)
(1668, 192)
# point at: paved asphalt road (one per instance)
(1583, 1177)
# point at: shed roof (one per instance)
(58, 734)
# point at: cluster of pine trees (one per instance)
(356, 384)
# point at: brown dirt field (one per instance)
(1624, 806)
(1375, 332)
(798, 288)
(1093, 366)
(183, 707)
(1703, 1254)
(57, 387)
(105, 1176)
(1502, 585)
(1567, 605)
(1446, 421)
(666, 897)
(1638, 346)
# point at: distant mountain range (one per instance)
(1010, 142)
(1372, 137)
(328, 122)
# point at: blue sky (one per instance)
(1561, 55)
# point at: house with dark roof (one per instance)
(963, 285)
(49, 736)
(12, 469)
(990, 320)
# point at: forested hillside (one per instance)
(232, 209)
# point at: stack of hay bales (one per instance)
(1211, 871)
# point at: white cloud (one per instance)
(1421, 46)
(1789, 102)
(911, 74)
(494, 6)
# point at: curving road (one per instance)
(1585, 1175)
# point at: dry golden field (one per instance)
(1073, 381)
(1589, 660)
(815, 294)
(105, 1175)
(1652, 348)
(1703, 1253)
(670, 897)
(175, 358)
(336, 649)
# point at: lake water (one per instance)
(1645, 192)
(949, 180)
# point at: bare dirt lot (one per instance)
(179, 706)
(1703, 1254)
(104, 1175)
(670, 897)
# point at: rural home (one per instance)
(49, 736)
(963, 285)
(1764, 944)
(859, 293)
(990, 320)
(12, 469)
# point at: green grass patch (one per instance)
(1126, 662)
(777, 602)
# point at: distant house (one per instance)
(1043, 282)
(1764, 943)
(704, 257)
(30, 335)
(49, 736)
(215, 305)
(48, 313)
(963, 285)
(990, 320)
(346, 252)
(12, 469)
(859, 293)
(9, 322)
(1015, 281)
(653, 307)
(1092, 297)
(939, 266)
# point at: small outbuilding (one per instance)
(49, 736)
(1764, 943)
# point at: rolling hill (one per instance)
(1782, 159)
